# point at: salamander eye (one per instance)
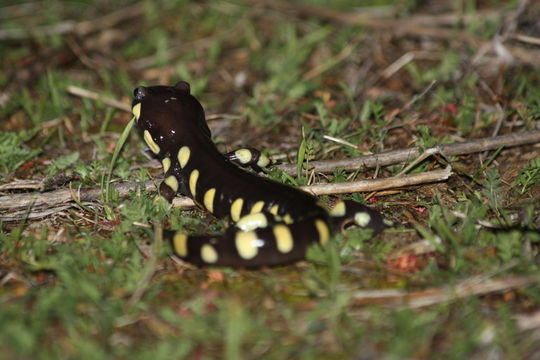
(139, 92)
(182, 86)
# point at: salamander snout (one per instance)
(139, 92)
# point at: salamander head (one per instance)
(165, 113)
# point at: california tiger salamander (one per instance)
(273, 223)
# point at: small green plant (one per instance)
(442, 71)
(529, 176)
(63, 162)
(14, 152)
(426, 140)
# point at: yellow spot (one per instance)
(208, 199)
(284, 239)
(150, 142)
(288, 219)
(274, 209)
(183, 156)
(166, 164)
(193, 181)
(243, 155)
(209, 254)
(257, 207)
(322, 229)
(172, 182)
(136, 110)
(252, 222)
(362, 218)
(236, 209)
(338, 210)
(180, 244)
(247, 244)
(263, 161)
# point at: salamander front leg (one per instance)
(167, 190)
(170, 186)
(249, 157)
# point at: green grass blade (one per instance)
(117, 149)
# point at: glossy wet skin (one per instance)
(167, 112)
(175, 119)
(273, 223)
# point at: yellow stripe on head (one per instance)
(136, 110)
(150, 142)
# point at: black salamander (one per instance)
(273, 223)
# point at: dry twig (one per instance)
(432, 296)
(379, 184)
(405, 155)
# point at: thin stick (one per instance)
(527, 39)
(398, 64)
(417, 97)
(75, 90)
(379, 184)
(444, 294)
(528, 321)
